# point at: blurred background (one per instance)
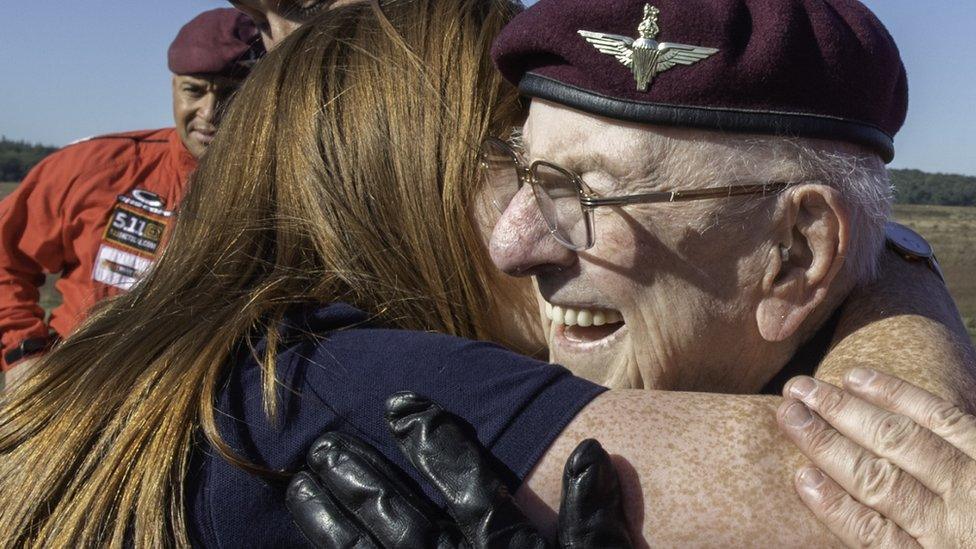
(69, 70)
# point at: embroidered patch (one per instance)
(138, 223)
(119, 268)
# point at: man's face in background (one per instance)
(197, 102)
(276, 19)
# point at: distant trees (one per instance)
(940, 189)
(911, 186)
(18, 157)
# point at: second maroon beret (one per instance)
(813, 68)
(223, 41)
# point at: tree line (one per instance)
(940, 189)
(18, 157)
(911, 186)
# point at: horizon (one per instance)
(73, 72)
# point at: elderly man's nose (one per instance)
(521, 244)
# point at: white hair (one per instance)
(859, 176)
(864, 184)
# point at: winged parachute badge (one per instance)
(645, 56)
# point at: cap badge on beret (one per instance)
(645, 56)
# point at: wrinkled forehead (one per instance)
(582, 141)
(558, 133)
(579, 140)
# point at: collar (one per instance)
(182, 162)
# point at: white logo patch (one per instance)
(119, 268)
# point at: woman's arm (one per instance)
(905, 324)
(696, 470)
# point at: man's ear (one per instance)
(814, 229)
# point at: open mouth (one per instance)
(584, 326)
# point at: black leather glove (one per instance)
(356, 498)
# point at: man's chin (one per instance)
(597, 357)
(196, 147)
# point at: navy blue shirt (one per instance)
(335, 372)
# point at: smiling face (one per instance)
(197, 101)
(276, 19)
(669, 290)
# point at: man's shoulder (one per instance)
(105, 153)
(114, 144)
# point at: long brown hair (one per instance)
(344, 170)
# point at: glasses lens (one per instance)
(559, 200)
(499, 169)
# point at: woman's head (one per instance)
(344, 170)
(368, 136)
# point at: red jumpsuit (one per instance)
(96, 213)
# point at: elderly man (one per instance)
(694, 181)
(714, 164)
(97, 212)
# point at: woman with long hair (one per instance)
(346, 163)
(332, 226)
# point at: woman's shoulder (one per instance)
(334, 347)
(334, 371)
(342, 336)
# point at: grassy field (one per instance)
(952, 233)
(951, 230)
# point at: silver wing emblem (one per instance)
(681, 54)
(612, 44)
(645, 56)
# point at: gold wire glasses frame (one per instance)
(565, 200)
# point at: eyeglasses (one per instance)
(564, 199)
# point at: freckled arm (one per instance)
(906, 324)
(696, 469)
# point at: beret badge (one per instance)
(645, 56)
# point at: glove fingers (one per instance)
(320, 519)
(591, 514)
(449, 455)
(369, 488)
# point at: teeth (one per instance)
(584, 318)
(557, 315)
(581, 317)
(569, 317)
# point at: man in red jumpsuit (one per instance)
(98, 211)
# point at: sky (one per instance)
(72, 69)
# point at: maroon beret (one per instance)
(221, 41)
(812, 68)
